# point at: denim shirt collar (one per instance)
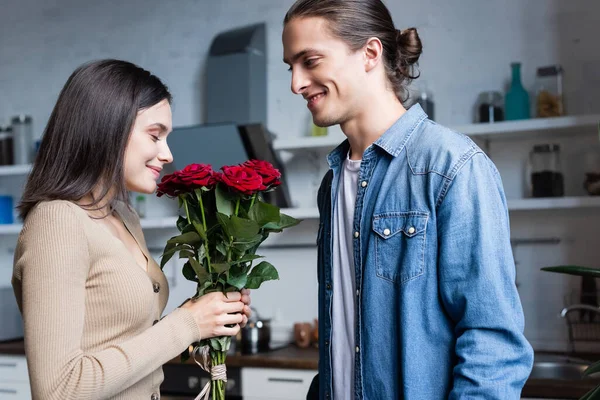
(392, 141)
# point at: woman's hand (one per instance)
(247, 312)
(214, 311)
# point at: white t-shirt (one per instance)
(344, 286)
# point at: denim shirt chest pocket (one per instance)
(400, 244)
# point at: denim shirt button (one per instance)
(327, 343)
(363, 184)
(386, 232)
(357, 292)
(356, 234)
(357, 349)
(328, 286)
(411, 230)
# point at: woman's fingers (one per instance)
(230, 319)
(236, 307)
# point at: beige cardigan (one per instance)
(91, 314)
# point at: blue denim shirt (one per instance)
(438, 314)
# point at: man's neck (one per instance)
(372, 122)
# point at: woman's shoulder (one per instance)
(54, 212)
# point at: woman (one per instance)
(89, 291)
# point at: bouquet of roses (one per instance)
(225, 220)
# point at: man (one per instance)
(417, 297)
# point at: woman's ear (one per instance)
(373, 51)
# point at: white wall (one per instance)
(468, 46)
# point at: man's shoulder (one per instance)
(439, 149)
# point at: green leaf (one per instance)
(186, 254)
(245, 258)
(263, 213)
(191, 238)
(242, 228)
(168, 254)
(181, 223)
(225, 223)
(224, 202)
(188, 272)
(219, 268)
(593, 394)
(220, 343)
(215, 344)
(243, 245)
(201, 273)
(203, 288)
(592, 369)
(261, 273)
(286, 221)
(221, 248)
(574, 270)
(239, 280)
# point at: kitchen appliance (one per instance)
(222, 144)
(256, 335)
(185, 381)
(11, 327)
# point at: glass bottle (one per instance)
(517, 99)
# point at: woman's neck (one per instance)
(101, 208)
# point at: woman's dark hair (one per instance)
(83, 145)
(356, 21)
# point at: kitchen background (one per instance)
(468, 48)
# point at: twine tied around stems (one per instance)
(217, 372)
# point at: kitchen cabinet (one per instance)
(14, 380)
(275, 383)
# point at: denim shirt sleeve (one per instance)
(477, 284)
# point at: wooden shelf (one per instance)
(498, 131)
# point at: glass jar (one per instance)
(22, 139)
(546, 172)
(490, 107)
(549, 92)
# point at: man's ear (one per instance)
(373, 51)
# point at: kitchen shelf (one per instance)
(158, 223)
(553, 203)
(532, 127)
(10, 229)
(497, 131)
(12, 170)
(532, 204)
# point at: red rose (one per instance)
(192, 177)
(241, 179)
(197, 175)
(171, 185)
(270, 175)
